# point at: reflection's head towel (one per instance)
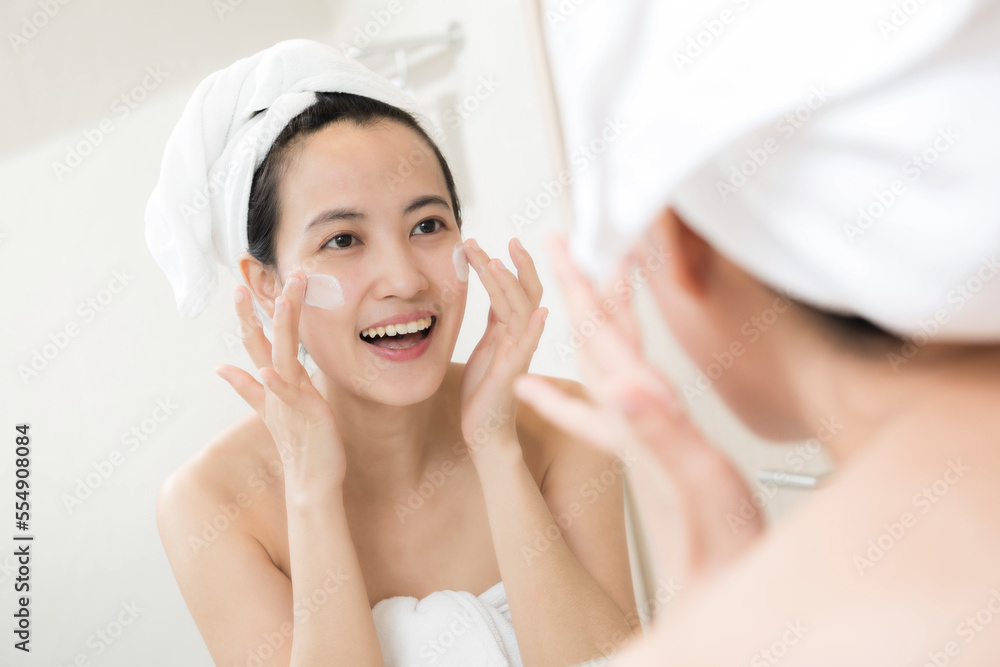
(846, 152)
(197, 214)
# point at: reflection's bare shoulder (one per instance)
(538, 426)
(541, 440)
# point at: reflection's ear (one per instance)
(692, 256)
(262, 282)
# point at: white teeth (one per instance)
(402, 328)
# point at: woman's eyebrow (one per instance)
(426, 200)
(345, 213)
(333, 214)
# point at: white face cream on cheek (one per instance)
(323, 291)
(460, 262)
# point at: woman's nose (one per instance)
(397, 273)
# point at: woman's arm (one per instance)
(340, 626)
(244, 606)
(241, 602)
(561, 615)
(340, 629)
(569, 588)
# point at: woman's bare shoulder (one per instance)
(237, 449)
(228, 473)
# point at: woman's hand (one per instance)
(635, 412)
(298, 417)
(513, 329)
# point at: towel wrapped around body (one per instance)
(447, 629)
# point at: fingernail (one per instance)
(279, 305)
(238, 294)
(473, 244)
(517, 243)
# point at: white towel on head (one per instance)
(447, 629)
(197, 213)
(846, 152)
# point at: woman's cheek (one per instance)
(454, 289)
(328, 310)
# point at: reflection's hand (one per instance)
(636, 408)
(296, 414)
(513, 329)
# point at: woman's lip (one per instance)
(405, 354)
(400, 319)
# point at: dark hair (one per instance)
(861, 335)
(264, 205)
(850, 324)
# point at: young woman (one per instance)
(391, 471)
(893, 562)
(888, 349)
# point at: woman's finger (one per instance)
(479, 261)
(527, 343)
(578, 418)
(604, 352)
(633, 376)
(628, 325)
(527, 274)
(623, 318)
(517, 300)
(287, 308)
(520, 349)
(285, 391)
(251, 332)
(581, 299)
(577, 289)
(245, 385)
(656, 420)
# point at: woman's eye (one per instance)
(427, 226)
(341, 240)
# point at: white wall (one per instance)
(62, 240)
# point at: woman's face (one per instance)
(734, 329)
(369, 206)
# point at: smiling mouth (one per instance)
(390, 337)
